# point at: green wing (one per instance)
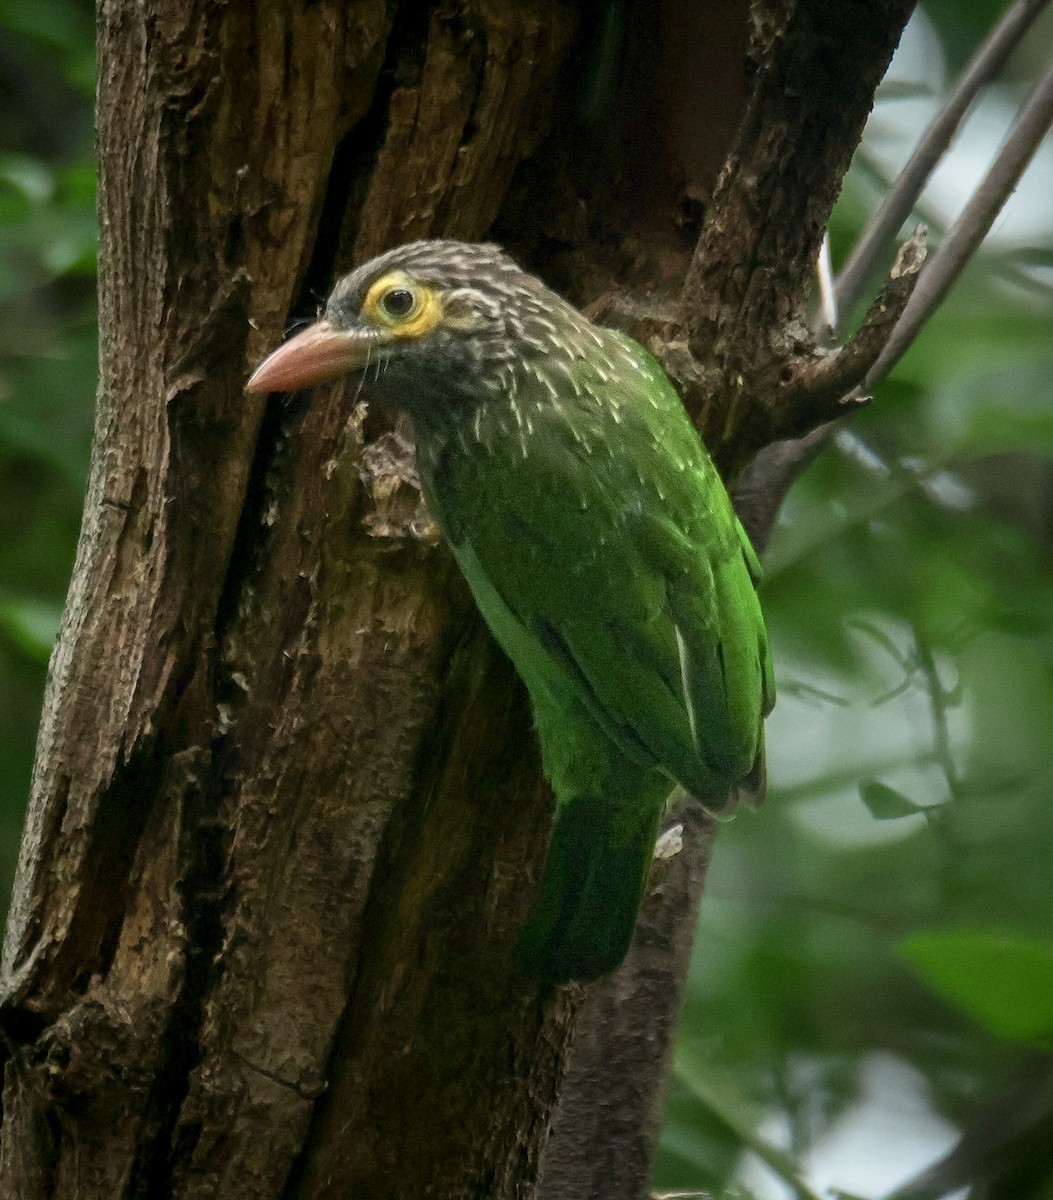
(610, 566)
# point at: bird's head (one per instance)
(428, 319)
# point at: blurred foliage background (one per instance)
(873, 972)
(874, 967)
(47, 356)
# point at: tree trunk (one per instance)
(286, 814)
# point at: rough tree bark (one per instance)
(286, 813)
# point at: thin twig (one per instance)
(965, 236)
(903, 195)
(903, 482)
(939, 700)
(708, 1090)
(762, 486)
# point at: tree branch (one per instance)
(741, 333)
(967, 233)
(606, 1125)
(763, 486)
(988, 60)
(823, 386)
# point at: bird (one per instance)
(600, 545)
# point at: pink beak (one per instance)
(316, 355)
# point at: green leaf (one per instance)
(32, 625)
(1001, 978)
(885, 803)
(33, 178)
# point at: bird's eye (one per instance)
(398, 304)
(401, 307)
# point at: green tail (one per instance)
(592, 889)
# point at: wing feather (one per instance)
(629, 588)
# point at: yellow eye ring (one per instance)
(402, 306)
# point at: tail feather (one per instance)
(592, 889)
